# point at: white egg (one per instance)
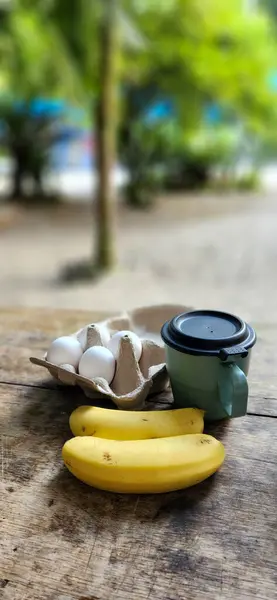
(69, 368)
(65, 350)
(114, 343)
(97, 361)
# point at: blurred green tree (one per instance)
(271, 6)
(94, 33)
(215, 51)
(28, 71)
(194, 52)
(48, 49)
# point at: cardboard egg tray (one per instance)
(133, 380)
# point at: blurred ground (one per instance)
(203, 251)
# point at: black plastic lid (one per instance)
(209, 332)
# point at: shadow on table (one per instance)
(84, 516)
(46, 412)
(76, 497)
(219, 430)
(45, 415)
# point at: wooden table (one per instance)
(61, 540)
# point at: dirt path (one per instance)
(203, 251)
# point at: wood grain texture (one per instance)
(25, 332)
(62, 540)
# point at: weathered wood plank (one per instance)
(24, 332)
(260, 404)
(62, 540)
(263, 375)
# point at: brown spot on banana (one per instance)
(107, 457)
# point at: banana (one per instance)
(143, 466)
(126, 425)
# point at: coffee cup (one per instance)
(208, 357)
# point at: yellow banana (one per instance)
(143, 466)
(126, 425)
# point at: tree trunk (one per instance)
(17, 191)
(38, 182)
(106, 122)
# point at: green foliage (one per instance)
(214, 50)
(193, 51)
(140, 150)
(270, 6)
(197, 52)
(27, 140)
(35, 62)
(191, 164)
(247, 182)
(163, 157)
(34, 59)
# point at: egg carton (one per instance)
(134, 380)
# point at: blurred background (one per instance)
(138, 154)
